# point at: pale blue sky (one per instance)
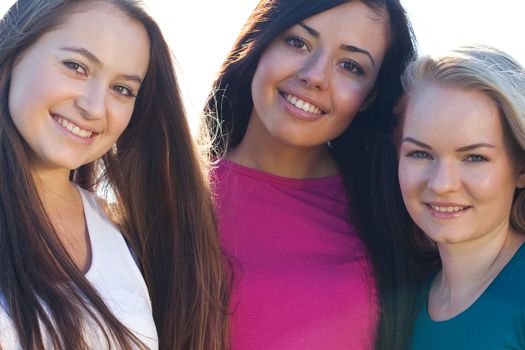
(201, 32)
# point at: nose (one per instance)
(91, 101)
(313, 73)
(444, 177)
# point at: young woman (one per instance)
(294, 115)
(462, 172)
(88, 99)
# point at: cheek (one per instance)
(266, 76)
(411, 191)
(119, 119)
(257, 89)
(408, 181)
(492, 187)
(21, 102)
(30, 88)
(348, 98)
(20, 92)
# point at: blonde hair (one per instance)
(486, 70)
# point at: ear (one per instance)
(369, 100)
(521, 176)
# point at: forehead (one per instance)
(104, 30)
(439, 112)
(352, 11)
(93, 12)
(354, 23)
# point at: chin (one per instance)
(446, 238)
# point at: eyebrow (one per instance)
(134, 78)
(86, 53)
(416, 142)
(312, 31)
(461, 149)
(348, 48)
(90, 56)
(474, 146)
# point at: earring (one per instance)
(330, 144)
(369, 100)
(365, 105)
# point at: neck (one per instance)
(54, 187)
(468, 269)
(260, 150)
(63, 205)
(467, 264)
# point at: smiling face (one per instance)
(456, 171)
(72, 92)
(312, 79)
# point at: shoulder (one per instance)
(516, 267)
(9, 337)
(109, 210)
(222, 169)
(509, 286)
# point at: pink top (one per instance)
(302, 279)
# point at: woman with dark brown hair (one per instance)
(298, 112)
(89, 101)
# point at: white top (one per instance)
(115, 276)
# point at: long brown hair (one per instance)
(162, 201)
(358, 151)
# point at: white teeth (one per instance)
(305, 106)
(72, 128)
(447, 209)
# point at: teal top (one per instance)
(496, 320)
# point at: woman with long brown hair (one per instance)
(89, 101)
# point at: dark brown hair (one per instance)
(162, 202)
(358, 150)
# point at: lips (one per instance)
(74, 128)
(446, 210)
(303, 105)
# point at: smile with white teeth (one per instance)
(446, 209)
(305, 106)
(72, 128)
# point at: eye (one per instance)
(476, 158)
(296, 42)
(123, 91)
(352, 67)
(75, 67)
(418, 155)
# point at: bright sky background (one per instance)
(201, 32)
